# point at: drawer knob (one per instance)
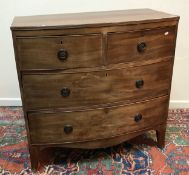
(139, 83)
(65, 92)
(138, 117)
(141, 47)
(68, 129)
(62, 55)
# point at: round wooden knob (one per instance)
(62, 55)
(139, 83)
(138, 117)
(65, 92)
(141, 47)
(68, 129)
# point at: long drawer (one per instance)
(140, 45)
(95, 88)
(59, 127)
(60, 52)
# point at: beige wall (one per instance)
(9, 91)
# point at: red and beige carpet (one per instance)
(130, 158)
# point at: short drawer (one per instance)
(140, 45)
(80, 126)
(60, 52)
(67, 90)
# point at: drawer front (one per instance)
(140, 45)
(96, 124)
(60, 52)
(94, 88)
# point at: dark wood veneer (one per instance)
(95, 124)
(94, 80)
(42, 52)
(122, 46)
(44, 91)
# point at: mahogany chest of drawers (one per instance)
(93, 80)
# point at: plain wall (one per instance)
(9, 89)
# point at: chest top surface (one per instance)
(91, 19)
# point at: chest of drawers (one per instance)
(93, 80)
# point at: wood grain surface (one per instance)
(96, 124)
(122, 46)
(95, 88)
(91, 19)
(41, 52)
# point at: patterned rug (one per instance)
(138, 156)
